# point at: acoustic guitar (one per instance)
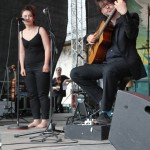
(97, 51)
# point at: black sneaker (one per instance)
(103, 119)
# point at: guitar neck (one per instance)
(106, 23)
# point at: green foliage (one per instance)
(133, 6)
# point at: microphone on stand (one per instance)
(46, 11)
(21, 19)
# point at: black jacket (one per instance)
(126, 37)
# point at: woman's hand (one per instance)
(46, 68)
(23, 72)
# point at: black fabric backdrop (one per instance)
(94, 17)
(10, 9)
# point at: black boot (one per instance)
(104, 119)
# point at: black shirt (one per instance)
(113, 51)
(58, 82)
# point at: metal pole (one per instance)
(148, 13)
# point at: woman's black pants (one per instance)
(37, 83)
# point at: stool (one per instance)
(125, 83)
(128, 85)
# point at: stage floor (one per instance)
(19, 140)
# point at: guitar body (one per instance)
(97, 52)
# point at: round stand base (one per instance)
(17, 127)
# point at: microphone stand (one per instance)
(18, 126)
(53, 51)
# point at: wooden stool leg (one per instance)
(129, 85)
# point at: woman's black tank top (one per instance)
(34, 50)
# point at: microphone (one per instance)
(20, 19)
(45, 10)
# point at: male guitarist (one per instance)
(121, 59)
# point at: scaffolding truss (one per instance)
(78, 17)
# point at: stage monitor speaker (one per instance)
(130, 127)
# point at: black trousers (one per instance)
(111, 72)
(37, 83)
(58, 106)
